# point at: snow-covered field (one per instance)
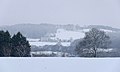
(33, 40)
(49, 43)
(63, 34)
(59, 64)
(58, 54)
(105, 30)
(67, 35)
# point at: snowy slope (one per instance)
(105, 30)
(33, 40)
(60, 34)
(67, 35)
(63, 34)
(49, 43)
(36, 42)
(59, 64)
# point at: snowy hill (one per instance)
(54, 33)
(37, 43)
(67, 35)
(40, 30)
(63, 34)
(105, 30)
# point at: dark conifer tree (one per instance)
(20, 46)
(5, 44)
(1, 42)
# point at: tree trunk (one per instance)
(95, 53)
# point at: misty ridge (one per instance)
(50, 40)
(39, 30)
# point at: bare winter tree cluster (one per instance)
(94, 40)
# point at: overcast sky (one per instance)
(82, 12)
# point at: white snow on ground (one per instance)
(59, 64)
(67, 35)
(59, 54)
(105, 50)
(86, 30)
(33, 40)
(42, 52)
(49, 43)
(106, 30)
(63, 34)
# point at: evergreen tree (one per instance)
(5, 44)
(1, 43)
(20, 46)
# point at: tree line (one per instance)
(18, 46)
(94, 44)
(13, 46)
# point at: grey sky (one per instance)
(82, 12)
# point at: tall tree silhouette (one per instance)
(20, 46)
(5, 44)
(93, 40)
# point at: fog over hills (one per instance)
(40, 30)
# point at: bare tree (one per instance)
(93, 40)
